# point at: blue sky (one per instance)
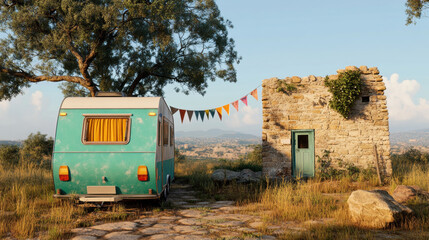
(280, 39)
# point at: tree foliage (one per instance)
(415, 9)
(9, 155)
(37, 149)
(136, 47)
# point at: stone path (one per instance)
(192, 219)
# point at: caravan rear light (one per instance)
(64, 173)
(142, 174)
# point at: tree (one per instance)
(415, 9)
(132, 46)
(37, 149)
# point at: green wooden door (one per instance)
(303, 153)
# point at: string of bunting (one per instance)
(201, 114)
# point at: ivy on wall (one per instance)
(285, 87)
(345, 91)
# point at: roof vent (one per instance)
(110, 94)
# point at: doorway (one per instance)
(303, 153)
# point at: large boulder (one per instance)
(376, 209)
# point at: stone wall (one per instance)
(351, 140)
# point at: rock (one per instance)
(89, 231)
(224, 175)
(116, 226)
(247, 175)
(122, 236)
(376, 209)
(84, 237)
(404, 193)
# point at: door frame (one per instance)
(293, 132)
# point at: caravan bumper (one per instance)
(107, 198)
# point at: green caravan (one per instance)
(109, 149)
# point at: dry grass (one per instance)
(28, 209)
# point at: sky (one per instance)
(282, 38)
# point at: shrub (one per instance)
(9, 155)
(37, 149)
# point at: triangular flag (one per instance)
(254, 93)
(207, 113)
(212, 112)
(201, 115)
(182, 114)
(244, 100)
(173, 110)
(190, 113)
(235, 104)
(226, 107)
(219, 112)
(196, 114)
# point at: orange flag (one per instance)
(219, 112)
(182, 114)
(235, 104)
(226, 107)
(254, 93)
(207, 113)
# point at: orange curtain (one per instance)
(106, 129)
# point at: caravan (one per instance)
(108, 149)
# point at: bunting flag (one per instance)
(226, 107)
(182, 114)
(219, 112)
(190, 113)
(254, 93)
(199, 114)
(173, 110)
(244, 100)
(235, 104)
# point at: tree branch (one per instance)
(32, 78)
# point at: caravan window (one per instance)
(165, 132)
(106, 129)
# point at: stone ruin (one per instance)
(362, 139)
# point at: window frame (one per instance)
(171, 135)
(89, 116)
(165, 123)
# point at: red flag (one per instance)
(235, 104)
(219, 112)
(254, 93)
(173, 110)
(182, 114)
(244, 100)
(226, 107)
(190, 113)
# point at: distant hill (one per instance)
(412, 138)
(215, 133)
(7, 142)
